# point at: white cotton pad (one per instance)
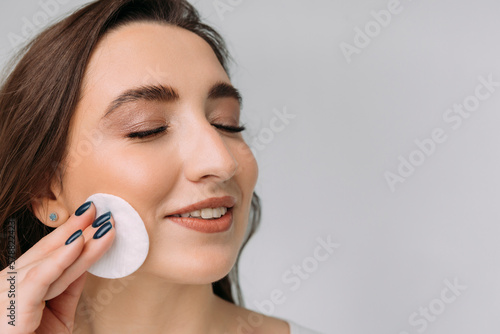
(131, 244)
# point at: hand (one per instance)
(50, 277)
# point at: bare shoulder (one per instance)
(273, 325)
(242, 320)
(276, 325)
(263, 324)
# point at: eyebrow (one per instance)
(147, 93)
(162, 93)
(223, 89)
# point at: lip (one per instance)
(213, 202)
(221, 224)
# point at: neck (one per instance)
(146, 304)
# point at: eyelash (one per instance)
(229, 128)
(148, 133)
(153, 132)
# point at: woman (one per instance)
(130, 98)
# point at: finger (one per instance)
(57, 237)
(64, 305)
(36, 279)
(92, 251)
(89, 232)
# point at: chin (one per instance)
(199, 268)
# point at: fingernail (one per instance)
(73, 237)
(101, 219)
(84, 207)
(103, 230)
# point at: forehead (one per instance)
(144, 53)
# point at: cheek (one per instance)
(138, 175)
(246, 177)
(248, 171)
(135, 174)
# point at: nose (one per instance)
(206, 154)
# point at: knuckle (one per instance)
(32, 274)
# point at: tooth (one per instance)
(223, 211)
(196, 213)
(216, 212)
(185, 215)
(206, 213)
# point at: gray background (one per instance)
(323, 173)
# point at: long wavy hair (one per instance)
(37, 101)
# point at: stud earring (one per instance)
(53, 216)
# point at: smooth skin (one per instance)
(191, 161)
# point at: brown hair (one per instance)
(38, 99)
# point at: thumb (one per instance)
(64, 306)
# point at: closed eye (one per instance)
(230, 128)
(148, 133)
(153, 132)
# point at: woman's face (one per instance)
(158, 174)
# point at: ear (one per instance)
(51, 202)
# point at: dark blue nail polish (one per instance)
(101, 219)
(84, 207)
(73, 237)
(103, 230)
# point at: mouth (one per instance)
(206, 213)
(209, 216)
(210, 224)
(210, 208)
